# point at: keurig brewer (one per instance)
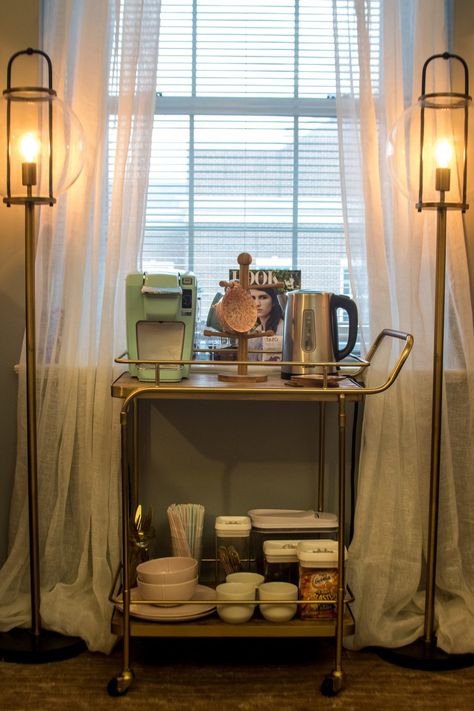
(161, 316)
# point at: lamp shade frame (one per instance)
(15, 94)
(444, 100)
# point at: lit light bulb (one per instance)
(29, 147)
(443, 153)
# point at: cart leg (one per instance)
(334, 682)
(322, 455)
(119, 685)
(135, 451)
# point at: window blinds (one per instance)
(245, 146)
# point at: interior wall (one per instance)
(235, 456)
(463, 44)
(19, 29)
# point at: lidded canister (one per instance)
(281, 561)
(232, 545)
(318, 578)
(287, 524)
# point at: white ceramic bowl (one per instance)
(164, 593)
(238, 592)
(278, 611)
(165, 571)
(245, 577)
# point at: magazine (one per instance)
(271, 302)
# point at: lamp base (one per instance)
(22, 646)
(425, 656)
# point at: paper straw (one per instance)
(186, 525)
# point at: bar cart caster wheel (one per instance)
(119, 685)
(332, 684)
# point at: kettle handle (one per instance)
(340, 301)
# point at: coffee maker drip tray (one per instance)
(159, 340)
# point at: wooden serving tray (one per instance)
(315, 381)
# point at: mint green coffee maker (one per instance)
(161, 318)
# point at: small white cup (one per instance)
(274, 611)
(238, 592)
(254, 579)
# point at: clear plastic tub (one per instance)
(281, 561)
(287, 525)
(232, 545)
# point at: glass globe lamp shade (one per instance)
(428, 136)
(38, 130)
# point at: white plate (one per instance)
(189, 611)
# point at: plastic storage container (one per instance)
(280, 561)
(318, 578)
(288, 524)
(232, 545)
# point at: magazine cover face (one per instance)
(270, 304)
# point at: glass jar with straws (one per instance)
(186, 525)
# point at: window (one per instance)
(245, 145)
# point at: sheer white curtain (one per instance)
(86, 246)
(384, 231)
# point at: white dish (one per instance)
(236, 592)
(274, 611)
(167, 571)
(190, 611)
(245, 577)
(174, 591)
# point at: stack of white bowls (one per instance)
(167, 581)
(237, 593)
(277, 599)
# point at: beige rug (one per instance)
(231, 675)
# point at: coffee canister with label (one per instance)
(318, 578)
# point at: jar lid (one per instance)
(291, 518)
(280, 551)
(233, 525)
(320, 552)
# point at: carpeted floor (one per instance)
(231, 675)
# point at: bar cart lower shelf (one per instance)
(213, 627)
(204, 386)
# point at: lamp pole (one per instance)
(29, 164)
(436, 420)
(31, 418)
(441, 107)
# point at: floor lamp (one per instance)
(42, 155)
(432, 139)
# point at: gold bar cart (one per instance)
(205, 386)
